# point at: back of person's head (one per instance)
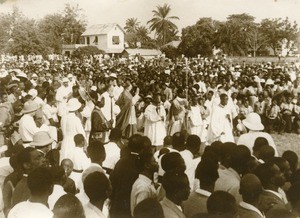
(40, 182)
(24, 157)
(135, 143)
(53, 157)
(96, 152)
(292, 158)
(207, 172)
(167, 141)
(216, 147)
(267, 152)
(176, 185)
(193, 143)
(146, 144)
(172, 161)
(79, 140)
(148, 208)
(259, 143)
(252, 164)
(178, 141)
(97, 186)
(58, 175)
(250, 188)
(68, 206)
(293, 195)
(221, 203)
(225, 153)
(239, 158)
(115, 135)
(209, 153)
(276, 212)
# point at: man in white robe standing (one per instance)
(220, 128)
(62, 95)
(155, 116)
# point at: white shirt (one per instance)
(249, 138)
(112, 151)
(142, 189)
(27, 128)
(58, 191)
(27, 209)
(93, 212)
(79, 159)
(251, 207)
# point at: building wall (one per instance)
(102, 42)
(115, 32)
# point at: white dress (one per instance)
(155, 127)
(70, 125)
(196, 121)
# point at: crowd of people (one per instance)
(148, 138)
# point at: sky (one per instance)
(189, 11)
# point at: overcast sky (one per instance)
(189, 11)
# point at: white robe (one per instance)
(220, 124)
(155, 127)
(62, 98)
(70, 125)
(196, 121)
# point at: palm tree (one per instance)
(162, 23)
(142, 33)
(131, 25)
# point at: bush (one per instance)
(86, 51)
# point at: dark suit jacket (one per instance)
(122, 178)
(21, 192)
(245, 213)
(268, 200)
(195, 204)
(170, 209)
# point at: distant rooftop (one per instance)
(99, 29)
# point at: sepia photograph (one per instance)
(149, 108)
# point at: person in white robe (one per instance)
(196, 124)
(155, 116)
(220, 128)
(62, 96)
(71, 125)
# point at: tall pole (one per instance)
(186, 79)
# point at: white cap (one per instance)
(114, 75)
(65, 80)
(94, 88)
(33, 92)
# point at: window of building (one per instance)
(96, 40)
(88, 40)
(115, 40)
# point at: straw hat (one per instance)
(73, 104)
(113, 75)
(41, 139)
(253, 122)
(30, 106)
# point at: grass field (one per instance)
(287, 142)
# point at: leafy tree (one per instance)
(199, 38)
(86, 51)
(256, 40)
(171, 52)
(131, 25)
(277, 30)
(162, 23)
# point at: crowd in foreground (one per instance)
(136, 138)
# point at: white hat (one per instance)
(269, 82)
(30, 106)
(262, 80)
(253, 122)
(21, 74)
(34, 75)
(70, 75)
(73, 104)
(94, 88)
(3, 73)
(33, 92)
(168, 72)
(65, 80)
(113, 75)
(41, 139)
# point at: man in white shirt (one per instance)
(112, 150)
(40, 184)
(143, 186)
(27, 125)
(97, 187)
(62, 95)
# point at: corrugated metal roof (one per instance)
(99, 29)
(143, 52)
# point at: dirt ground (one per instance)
(287, 141)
